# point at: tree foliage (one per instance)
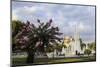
(16, 28)
(31, 38)
(45, 34)
(87, 51)
(92, 46)
(83, 45)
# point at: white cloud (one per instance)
(25, 10)
(79, 25)
(66, 18)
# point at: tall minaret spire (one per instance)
(77, 47)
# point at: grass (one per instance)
(22, 61)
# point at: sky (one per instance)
(66, 17)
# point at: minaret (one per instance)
(77, 47)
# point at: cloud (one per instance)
(66, 17)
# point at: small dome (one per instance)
(66, 37)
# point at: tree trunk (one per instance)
(30, 58)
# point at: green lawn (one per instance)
(22, 61)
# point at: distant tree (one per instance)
(16, 28)
(87, 52)
(49, 49)
(83, 45)
(59, 48)
(92, 46)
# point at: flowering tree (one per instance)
(32, 38)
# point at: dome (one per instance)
(66, 37)
(67, 40)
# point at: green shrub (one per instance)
(87, 52)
